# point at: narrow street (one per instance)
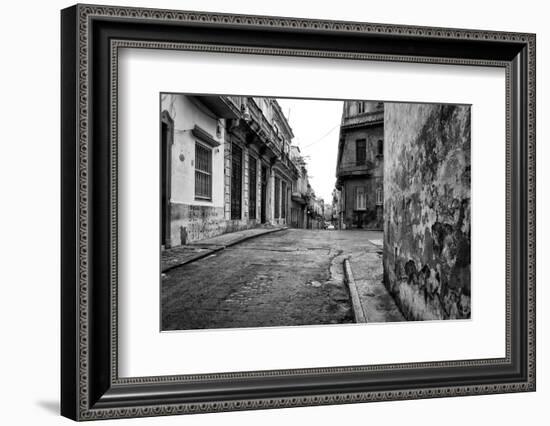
(290, 277)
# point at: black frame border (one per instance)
(91, 35)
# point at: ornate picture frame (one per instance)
(91, 37)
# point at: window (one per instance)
(360, 198)
(252, 173)
(379, 197)
(203, 172)
(380, 147)
(360, 152)
(360, 107)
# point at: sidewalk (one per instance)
(371, 301)
(181, 255)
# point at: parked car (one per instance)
(330, 227)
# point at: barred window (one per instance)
(203, 172)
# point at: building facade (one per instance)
(315, 211)
(360, 166)
(225, 166)
(299, 194)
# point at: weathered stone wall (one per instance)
(427, 209)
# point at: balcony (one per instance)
(263, 128)
(222, 106)
(354, 169)
(236, 101)
(364, 119)
(298, 197)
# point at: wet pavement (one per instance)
(291, 277)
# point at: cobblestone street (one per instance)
(290, 277)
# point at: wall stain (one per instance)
(427, 200)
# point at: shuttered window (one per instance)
(203, 172)
(360, 198)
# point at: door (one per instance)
(252, 189)
(236, 182)
(263, 195)
(165, 186)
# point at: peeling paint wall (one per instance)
(427, 209)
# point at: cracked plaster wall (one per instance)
(427, 209)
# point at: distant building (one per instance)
(329, 213)
(225, 166)
(360, 166)
(299, 194)
(315, 210)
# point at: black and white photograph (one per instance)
(288, 212)
(275, 207)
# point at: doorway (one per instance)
(236, 181)
(264, 194)
(166, 140)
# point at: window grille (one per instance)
(203, 172)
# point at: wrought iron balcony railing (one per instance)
(366, 118)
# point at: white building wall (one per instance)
(193, 219)
(186, 114)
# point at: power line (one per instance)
(322, 137)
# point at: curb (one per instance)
(197, 257)
(358, 311)
(270, 231)
(220, 248)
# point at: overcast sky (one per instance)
(316, 126)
